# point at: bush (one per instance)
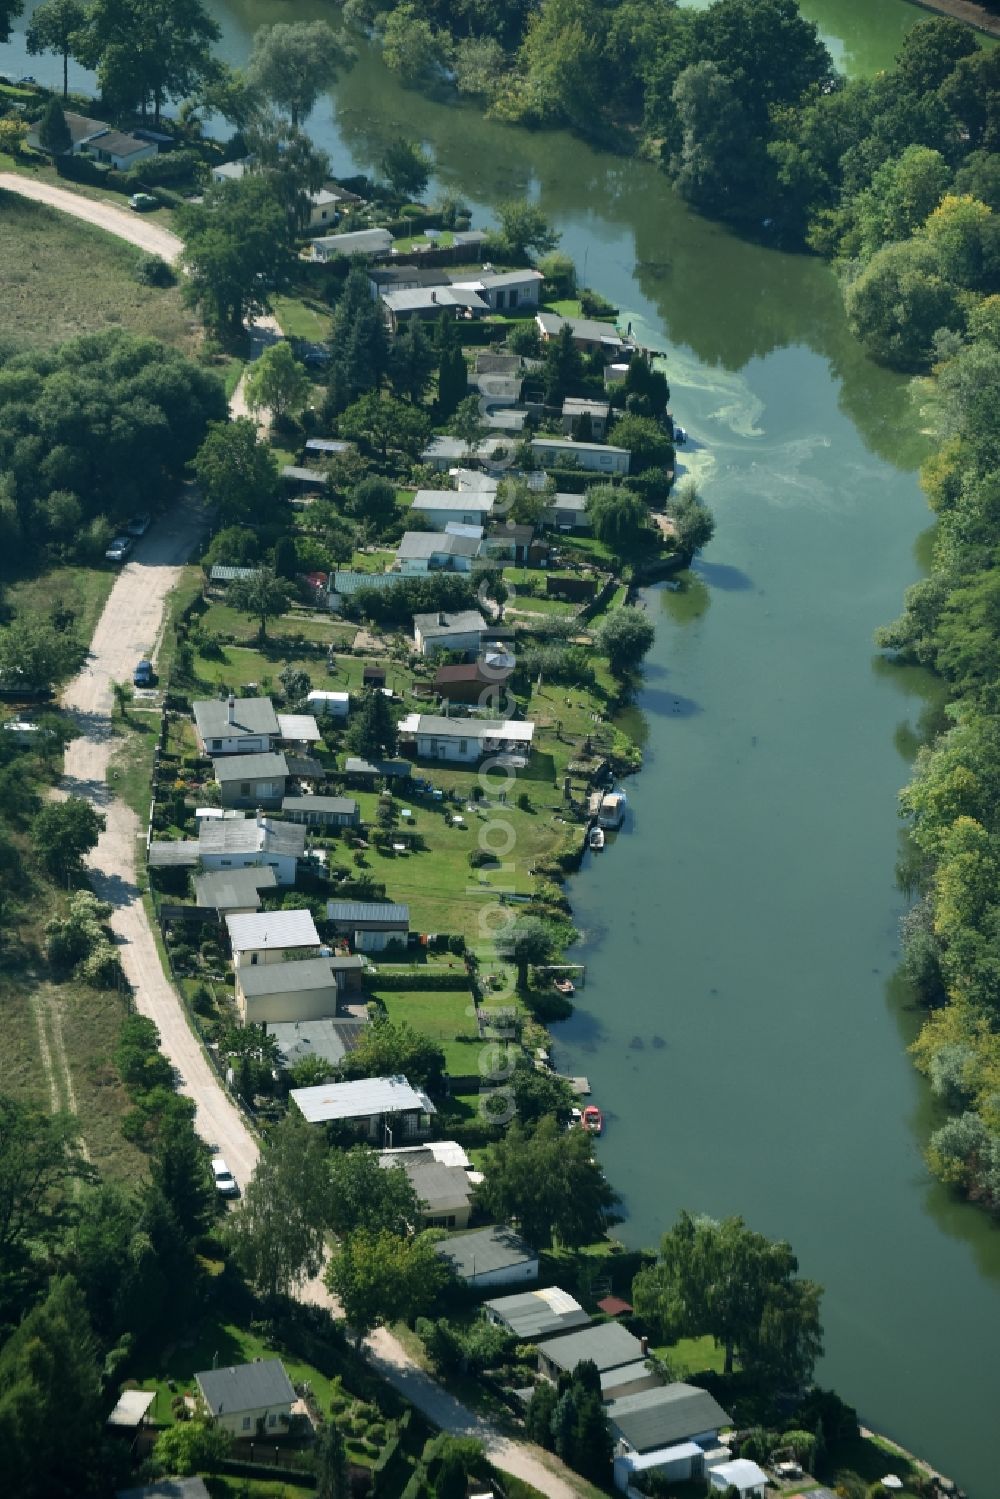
(153, 270)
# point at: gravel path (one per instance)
(137, 228)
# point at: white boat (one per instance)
(595, 838)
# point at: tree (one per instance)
(625, 636)
(406, 167)
(381, 1277)
(373, 734)
(264, 596)
(9, 9)
(618, 516)
(389, 1049)
(39, 1159)
(292, 64)
(364, 1195)
(191, 1447)
(333, 1479)
(717, 167)
(383, 422)
(529, 941)
(411, 362)
(738, 1286)
(237, 249)
(278, 1236)
(453, 374)
(278, 382)
(546, 1180)
(963, 234)
(931, 52)
(898, 303)
(412, 47)
(648, 442)
(563, 369)
(466, 422)
(238, 474)
(524, 229)
(34, 655)
(147, 50)
(53, 132)
(646, 389)
(63, 833)
(562, 59)
(373, 501)
(179, 1170)
(694, 524)
(54, 27)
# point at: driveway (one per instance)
(137, 228)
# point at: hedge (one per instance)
(422, 980)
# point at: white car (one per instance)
(119, 549)
(225, 1181)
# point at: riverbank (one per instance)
(966, 11)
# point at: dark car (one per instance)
(144, 675)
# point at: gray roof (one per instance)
(357, 242)
(485, 1250)
(327, 445)
(272, 930)
(462, 623)
(539, 1314)
(590, 329)
(301, 475)
(252, 717)
(246, 1387)
(344, 806)
(438, 1186)
(574, 502)
(168, 1488)
(577, 405)
(170, 853)
(423, 545)
(232, 889)
(306, 766)
(245, 835)
(260, 979)
(452, 499)
(570, 444)
(368, 913)
(362, 1099)
(402, 275)
(669, 1414)
(119, 143)
(468, 236)
(421, 299)
(265, 767)
(493, 280)
(329, 1040)
(607, 1344)
(355, 766)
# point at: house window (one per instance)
(244, 788)
(463, 746)
(216, 744)
(272, 1420)
(226, 863)
(253, 959)
(512, 300)
(500, 297)
(247, 1423)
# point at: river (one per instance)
(739, 1024)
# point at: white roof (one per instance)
(131, 1408)
(467, 728)
(549, 444)
(356, 240)
(299, 727)
(448, 499)
(328, 697)
(741, 1472)
(270, 930)
(641, 1462)
(470, 478)
(445, 1152)
(360, 1099)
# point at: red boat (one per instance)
(593, 1119)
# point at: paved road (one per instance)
(137, 228)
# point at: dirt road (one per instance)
(137, 228)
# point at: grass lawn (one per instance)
(222, 1487)
(84, 590)
(690, 1356)
(60, 277)
(441, 1016)
(302, 317)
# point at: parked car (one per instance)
(144, 675)
(225, 1181)
(119, 549)
(143, 202)
(138, 525)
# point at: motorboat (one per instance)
(595, 838)
(593, 1119)
(565, 986)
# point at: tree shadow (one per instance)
(722, 575)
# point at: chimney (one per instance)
(644, 1346)
(434, 296)
(231, 709)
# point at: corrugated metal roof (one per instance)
(246, 1387)
(362, 912)
(270, 930)
(361, 1099)
(223, 574)
(539, 1314)
(245, 835)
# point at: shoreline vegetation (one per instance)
(966, 11)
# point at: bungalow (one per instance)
(510, 543)
(119, 149)
(536, 1314)
(329, 704)
(378, 1108)
(251, 780)
(606, 1344)
(308, 478)
(574, 410)
(667, 1430)
(369, 925)
(428, 303)
(439, 1174)
(567, 512)
(423, 552)
(82, 130)
(448, 632)
(322, 811)
(494, 1256)
(373, 243)
(324, 209)
(467, 507)
(248, 1399)
(301, 989)
(443, 452)
(268, 936)
(251, 842)
(344, 584)
(473, 682)
(749, 1481)
(370, 771)
(467, 740)
(328, 447)
(236, 725)
(589, 335)
(504, 291)
(470, 480)
(329, 1040)
(231, 891)
(299, 730)
(596, 457)
(233, 171)
(389, 278)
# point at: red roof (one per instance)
(614, 1306)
